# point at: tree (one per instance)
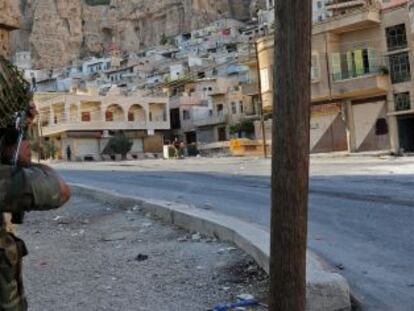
(290, 155)
(118, 144)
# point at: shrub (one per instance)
(119, 144)
(98, 2)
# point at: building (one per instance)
(220, 36)
(210, 110)
(96, 66)
(85, 123)
(23, 60)
(362, 79)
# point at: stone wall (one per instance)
(9, 20)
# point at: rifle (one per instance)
(20, 127)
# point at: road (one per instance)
(361, 215)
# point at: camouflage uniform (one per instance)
(30, 189)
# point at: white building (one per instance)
(96, 65)
(23, 60)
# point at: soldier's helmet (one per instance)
(15, 92)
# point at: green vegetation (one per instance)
(242, 129)
(235, 128)
(119, 144)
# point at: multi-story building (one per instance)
(85, 123)
(206, 110)
(362, 79)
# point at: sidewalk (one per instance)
(344, 154)
(94, 256)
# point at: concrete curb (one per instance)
(345, 154)
(326, 290)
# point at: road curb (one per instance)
(326, 290)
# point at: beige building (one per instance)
(85, 123)
(206, 110)
(362, 80)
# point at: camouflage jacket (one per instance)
(28, 189)
(35, 188)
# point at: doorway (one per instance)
(191, 137)
(222, 134)
(406, 132)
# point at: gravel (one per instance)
(89, 256)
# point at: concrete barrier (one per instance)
(326, 290)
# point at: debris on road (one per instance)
(141, 257)
(340, 267)
(196, 237)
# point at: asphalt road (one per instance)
(361, 215)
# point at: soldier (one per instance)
(23, 187)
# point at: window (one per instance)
(353, 64)
(241, 107)
(396, 37)
(86, 116)
(402, 101)
(131, 117)
(233, 108)
(400, 67)
(220, 109)
(186, 115)
(109, 116)
(315, 69)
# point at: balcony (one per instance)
(215, 119)
(344, 4)
(250, 89)
(362, 86)
(357, 19)
(102, 126)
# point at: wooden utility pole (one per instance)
(290, 155)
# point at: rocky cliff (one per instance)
(61, 31)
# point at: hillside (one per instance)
(60, 31)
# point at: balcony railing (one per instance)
(104, 125)
(354, 73)
(341, 4)
(250, 89)
(355, 19)
(211, 120)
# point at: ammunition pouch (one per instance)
(12, 251)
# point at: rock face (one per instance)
(9, 19)
(61, 31)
